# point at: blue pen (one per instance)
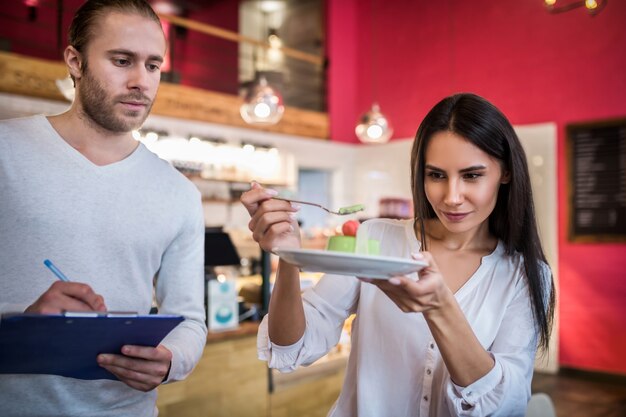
(55, 270)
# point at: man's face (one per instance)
(121, 71)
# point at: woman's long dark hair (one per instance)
(513, 218)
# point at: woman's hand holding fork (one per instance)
(273, 222)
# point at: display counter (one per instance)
(231, 381)
(310, 390)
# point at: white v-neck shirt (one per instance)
(395, 368)
(113, 227)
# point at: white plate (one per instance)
(341, 263)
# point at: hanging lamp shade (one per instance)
(262, 105)
(373, 126)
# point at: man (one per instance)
(78, 189)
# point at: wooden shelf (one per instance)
(233, 181)
(36, 77)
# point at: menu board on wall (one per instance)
(597, 181)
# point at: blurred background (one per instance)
(556, 69)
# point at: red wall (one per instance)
(536, 67)
(204, 61)
(199, 60)
(37, 36)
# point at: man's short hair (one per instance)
(81, 28)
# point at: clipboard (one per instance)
(67, 344)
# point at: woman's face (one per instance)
(461, 182)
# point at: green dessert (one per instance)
(347, 241)
(351, 209)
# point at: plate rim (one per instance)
(351, 255)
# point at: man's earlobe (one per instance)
(73, 60)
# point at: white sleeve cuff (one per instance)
(283, 358)
(465, 399)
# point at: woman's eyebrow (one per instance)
(474, 168)
(432, 167)
(468, 169)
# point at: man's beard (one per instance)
(98, 106)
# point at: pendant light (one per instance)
(263, 104)
(373, 126)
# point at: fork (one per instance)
(341, 212)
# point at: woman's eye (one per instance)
(435, 175)
(472, 176)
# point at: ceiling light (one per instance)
(593, 6)
(271, 6)
(152, 136)
(166, 7)
(274, 40)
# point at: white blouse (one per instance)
(395, 368)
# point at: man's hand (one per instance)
(67, 296)
(140, 367)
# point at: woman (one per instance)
(462, 339)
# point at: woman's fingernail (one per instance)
(292, 216)
(271, 192)
(394, 281)
(417, 255)
(295, 206)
